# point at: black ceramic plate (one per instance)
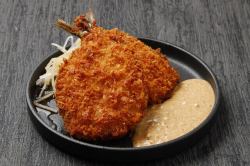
(50, 126)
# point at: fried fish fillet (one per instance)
(104, 88)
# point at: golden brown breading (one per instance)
(104, 88)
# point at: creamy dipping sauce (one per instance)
(190, 104)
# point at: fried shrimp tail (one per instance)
(82, 24)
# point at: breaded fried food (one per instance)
(158, 76)
(103, 89)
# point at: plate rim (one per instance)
(127, 149)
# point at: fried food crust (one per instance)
(104, 88)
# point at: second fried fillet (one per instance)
(104, 88)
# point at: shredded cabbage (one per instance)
(52, 68)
